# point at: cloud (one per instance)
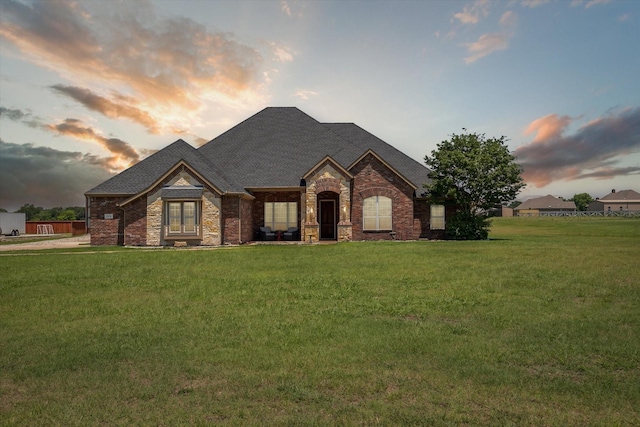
(304, 94)
(593, 150)
(20, 116)
(509, 19)
(282, 53)
(285, 8)
(493, 42)
(534, 3)
(589, 3)
(486, 44)
(109, 108)
(547, 127)
(624, 18)
(124, 154)
(472, 14)
(595, 3)
(168, 67)
(11, 114)
(45, 176)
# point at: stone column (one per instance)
(311, 226)
(344, 226)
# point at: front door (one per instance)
(327, 219)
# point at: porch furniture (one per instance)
(265, 233)
(292, 233)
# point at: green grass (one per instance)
(538, 326)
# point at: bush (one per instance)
(466, 226)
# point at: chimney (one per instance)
(613, 190)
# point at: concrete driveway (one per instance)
(64, 242)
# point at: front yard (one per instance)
(538, 326)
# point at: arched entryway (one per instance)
(328, 205)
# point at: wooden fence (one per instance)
(76, 228)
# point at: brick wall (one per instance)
(371, 178)
(237, 221)
(135, 222)
(103, 231)
(270, 196)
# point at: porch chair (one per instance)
(265, 233)
(292, 233)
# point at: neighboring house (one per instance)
(546, 204)
(500, 211)
(280, 169)
(621, 201)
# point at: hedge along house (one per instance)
(280, 169)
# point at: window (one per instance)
(279, 216)
(437, 217)
(376, 212)
(182, 218)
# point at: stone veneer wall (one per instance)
(372, 177)
(327, 178)
(210, 212)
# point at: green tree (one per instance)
(67, 215)
(476, 174)
(582, 200)
(31, 212)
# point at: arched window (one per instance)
(376, 213)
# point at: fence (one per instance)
(628, 214)
(76, 228)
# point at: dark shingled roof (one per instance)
(182, 192)
(145, 173)
(274, 148)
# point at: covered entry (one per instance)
(328, 203)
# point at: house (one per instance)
(547, 204)
(280, 169)
(621, 201)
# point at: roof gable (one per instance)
(624, 195)
(330, 161)
(381, 160)
(146, 173)
(411, 170)
(546, 202)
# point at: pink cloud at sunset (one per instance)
(592, 151)
(170, 66)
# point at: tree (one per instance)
(475, 173)
(30, 211)
(582, 200)
(67, 215)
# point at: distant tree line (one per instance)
(37, 213)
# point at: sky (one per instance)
(89, 88)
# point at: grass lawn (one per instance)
(538, 326)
